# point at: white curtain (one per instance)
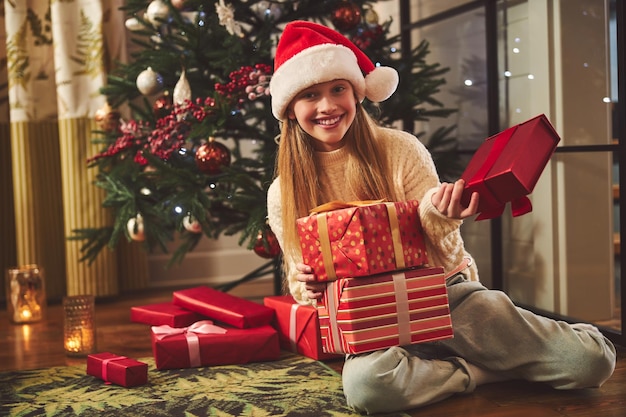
(57, 56)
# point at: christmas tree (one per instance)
(196, 156)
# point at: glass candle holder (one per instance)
(79, 325)
(25, 293)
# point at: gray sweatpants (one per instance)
(489, 332)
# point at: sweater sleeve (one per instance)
(274, 217)
(416, 178)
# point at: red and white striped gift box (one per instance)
(380, 311)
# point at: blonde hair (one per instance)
(368, 174)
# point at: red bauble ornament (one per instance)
(212, 156)
(267, 237)
(346, 16)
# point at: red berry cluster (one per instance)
(132, 134)
(168, 135)
(171, 131)
(248, 81)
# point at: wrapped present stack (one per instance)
(232, 330)
(380, 290)
(201, 326)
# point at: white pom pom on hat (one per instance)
(309, 53)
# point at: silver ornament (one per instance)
(133, 24)
(149, 82)
(157, 12)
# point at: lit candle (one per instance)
(23, 314)
(26, 295)
(80, 336)
(73, 343)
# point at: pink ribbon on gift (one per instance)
(105, 363)
(191, 334)
(293, 336)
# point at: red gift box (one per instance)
(117, 369)
(395, 309)
(298, 327)
(507, 166)
(362, 238)
(164, 313)
(223, 307)
(204, 343)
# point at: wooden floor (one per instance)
(40, 345)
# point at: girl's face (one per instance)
(325, 111)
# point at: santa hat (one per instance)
(309, 53)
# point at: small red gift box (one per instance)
(362, 238)
(164, 313)
(507, 166)
(204, 343)
(381, 311)
(298, 327)
(117, 369)
(223, 307)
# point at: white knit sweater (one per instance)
(414, 178)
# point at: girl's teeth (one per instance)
(328, 122)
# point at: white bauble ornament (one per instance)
(135, 228)
(157, 13)
(191, 224)
(133, 24)
(149, 82)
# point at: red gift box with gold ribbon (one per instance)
(298, 327)
(204, 343)
(357, 239)
(507, 166)
(116, 369)
(392, 309)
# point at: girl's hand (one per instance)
(447, 199)
(314, 289)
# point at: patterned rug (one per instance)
(292, 386)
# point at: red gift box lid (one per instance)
(506, 167)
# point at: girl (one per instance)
(330, 149)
